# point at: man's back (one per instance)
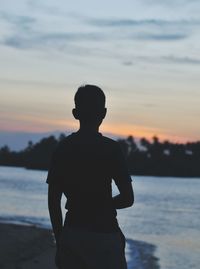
(84, 165)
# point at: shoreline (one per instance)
(28, 246)
(132, 175)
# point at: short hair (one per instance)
(90, 101)
(89, 95)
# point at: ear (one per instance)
(75, 113)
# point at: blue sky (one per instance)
(144, 54)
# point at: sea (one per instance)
(162, 227)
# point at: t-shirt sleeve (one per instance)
(121, 173)
(54, 171)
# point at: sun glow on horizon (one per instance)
(38, 125)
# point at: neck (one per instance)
(89, 128)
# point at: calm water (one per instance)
(166, 212)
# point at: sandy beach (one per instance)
(26, 247)
(30, 247)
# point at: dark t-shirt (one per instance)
(83, 165)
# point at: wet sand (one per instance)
(29, 247)
(26, 247)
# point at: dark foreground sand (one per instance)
(26, 247)
(29, 247)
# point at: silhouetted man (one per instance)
(82, 168)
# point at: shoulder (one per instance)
(111, 143)
(63, 144)
(108, 140)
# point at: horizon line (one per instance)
(161, 137)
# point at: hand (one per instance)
(123, 238)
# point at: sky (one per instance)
(144, 54)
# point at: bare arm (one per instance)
(126, 196)
(55, 212)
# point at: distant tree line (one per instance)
(144, 157)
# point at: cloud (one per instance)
(172, 59)
(20, 22)
(29, 36)
(162, 36)
(147, 29)
(11, 81)
(63, 40)
(181, 60)
(15, 42)
(171, 2)
(128, 63)
(53, 40)
(139, 23)
(149, 105)
(26, 36)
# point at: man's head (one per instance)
(89, 104)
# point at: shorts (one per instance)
(80, 249)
